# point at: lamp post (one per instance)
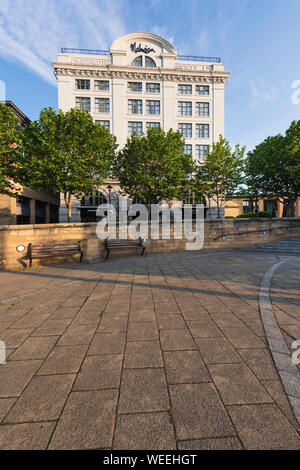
(109, 188)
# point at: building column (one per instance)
(47, 213)
(32, 211)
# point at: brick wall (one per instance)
(239, 233)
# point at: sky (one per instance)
(257, 40)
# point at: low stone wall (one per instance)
(219, 234)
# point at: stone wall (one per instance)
(219, 234)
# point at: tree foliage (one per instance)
(273, 168)
(154, 167)
(10, 150)
(219, 176)
(67, 152)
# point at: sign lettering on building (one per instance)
(139, 48)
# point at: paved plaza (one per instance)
(166, 351)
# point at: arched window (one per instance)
(149, 62)
(138, 62)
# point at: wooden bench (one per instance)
(123, 244)
(49, 251)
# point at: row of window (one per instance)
(137, 87)
(102, 105)
(202, 131)
(200, 151)
(86, 84)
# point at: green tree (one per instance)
(68, 153)
(220, 175)
(273, 168)
(154, 167)
(10, 151)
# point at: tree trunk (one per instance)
(68, 201)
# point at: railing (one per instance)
(195, 58)
(70, 50)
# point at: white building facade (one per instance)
(141, 82)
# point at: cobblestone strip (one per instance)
(286, 368)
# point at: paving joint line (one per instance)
(289, 375)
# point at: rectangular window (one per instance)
(153, 87)
(202, 131)
(82, 84)
(102, 85)
(202, 109)
(152, 124)
(202, 151)
(136, 87)
(135, 107)
(101, 105)
(184, 108)
(184, 89)
(135, 128)
(83, 103)
(104, 123)
(202, 90)
(187, 149)
(185, 129)
(152, 107)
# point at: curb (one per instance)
(287, 370)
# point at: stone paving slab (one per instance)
(158, 352)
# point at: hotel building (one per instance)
(142, 82)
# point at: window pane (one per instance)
(185, 129)
(202, 109)
(104, 123)
(101, 105)
(202, 131)
(153, 87)
(184, 89)
(202, 89)
(138, 62)
(135, 128)
(83, 103)
(202, 151)
(135, 106)
(152, 124)
(149, 62)
(185, 108)
(187, 149)
(82, 84)
(152, 107)
(135, 86)
(102, 85)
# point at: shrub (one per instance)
(264, 214)
(229, 217)
(250, 215)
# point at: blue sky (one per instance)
(258, 40)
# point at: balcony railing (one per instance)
(196, 58)
(70, 50)
(192, 58)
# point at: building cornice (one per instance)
(111, 71)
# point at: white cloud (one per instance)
(263, 92)
(163, 32)
(32, 32)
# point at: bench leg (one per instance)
(81, 255)
(107, 253)
(30, 262)
(144, 248)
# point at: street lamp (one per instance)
(109, 188)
